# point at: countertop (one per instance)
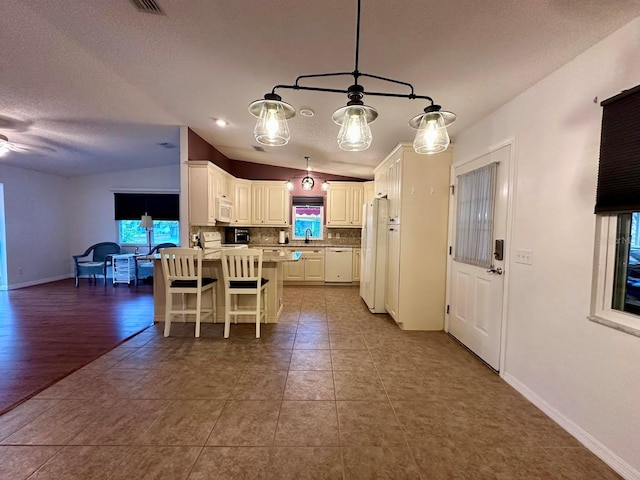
(267, 257)
(302, 244)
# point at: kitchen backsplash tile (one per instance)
(269, 236)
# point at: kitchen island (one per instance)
(272, 269)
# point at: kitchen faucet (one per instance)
(307, 232)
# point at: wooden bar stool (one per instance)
(242, 275)
(182, 269)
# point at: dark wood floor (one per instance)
(48, 331)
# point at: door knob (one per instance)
(497, 271)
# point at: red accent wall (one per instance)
(258, 171)
(200, 149)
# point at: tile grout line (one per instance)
(395, 415)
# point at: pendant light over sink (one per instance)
(354, 118)
(307, 183)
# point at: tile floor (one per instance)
(330, 392)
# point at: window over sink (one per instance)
(307, 222)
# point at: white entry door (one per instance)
(476, 292)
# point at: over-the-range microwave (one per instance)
(224, 210)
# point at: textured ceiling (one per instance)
(98, 86)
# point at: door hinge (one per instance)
(453, 189)
(447, 308)
(450, 250)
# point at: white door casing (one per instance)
(476, 294)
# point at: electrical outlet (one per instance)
(337, 235)
(524, 256)
(329, 235)
(20, 271)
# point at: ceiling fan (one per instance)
(6, 146)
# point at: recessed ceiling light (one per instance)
(220, 122)
(307, 112)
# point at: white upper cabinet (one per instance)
(368, 191)
(242, 202)
(380, 181)
(202, 193)
(270, 204)
(344, 204)
(224, 183)
(388, 183)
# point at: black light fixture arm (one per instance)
(356, 74)
(355, 117)
(411, 96)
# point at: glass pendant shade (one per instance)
(325, 186)
(271, 127)
(354, 134)
(289, 185)
(432, 136)
(307, 183)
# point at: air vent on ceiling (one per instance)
(257, 148)
(167, 145)
(148, 6)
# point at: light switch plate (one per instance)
(524, 256)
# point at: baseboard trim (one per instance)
(590, 442)
(40, 281)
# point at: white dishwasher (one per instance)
(338, 263)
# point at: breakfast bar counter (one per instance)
(212, 267)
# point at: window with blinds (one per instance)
(617, 206)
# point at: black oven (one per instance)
(236, 235)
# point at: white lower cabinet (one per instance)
(310, 267)
(294, 271)
(314, 266)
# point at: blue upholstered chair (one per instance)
(144, 266)
(100, 260)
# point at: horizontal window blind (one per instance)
(160, 206)
(619, 168)
(308, 201)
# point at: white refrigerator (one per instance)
(373, 253)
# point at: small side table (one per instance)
(124, 268)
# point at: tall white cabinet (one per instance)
(417, 187)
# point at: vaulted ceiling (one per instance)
(92, 87)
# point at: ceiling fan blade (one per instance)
(7, 146)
